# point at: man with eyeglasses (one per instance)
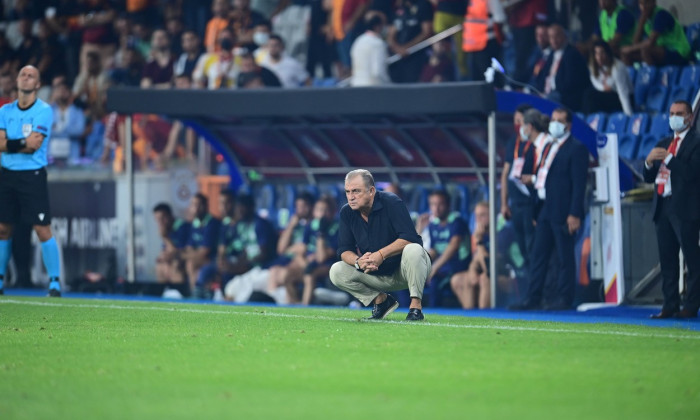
(379, 249)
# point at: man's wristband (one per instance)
(380, 253)
(14, 146)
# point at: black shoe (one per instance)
(2, 291)
(54, 288)
(526, 305)
(664, 314)
(686, 314)
(54, 293)
(415, 314)
(557, 305)
(380, 311)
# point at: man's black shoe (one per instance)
(664, 314)
(525, 305)
(380, 311)
(686, 314)
(557, 305)
(415, 314)
(2, 291)
(54, 293)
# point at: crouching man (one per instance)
(379, 249)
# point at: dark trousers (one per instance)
(672, 235)
(555, 235)
(523, 44)
(522, 217)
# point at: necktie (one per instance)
(672, 151)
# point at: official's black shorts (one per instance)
(24, 197)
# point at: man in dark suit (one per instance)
(564, 76)
(560, 183)
(674, 166)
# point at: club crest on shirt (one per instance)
(26, 130)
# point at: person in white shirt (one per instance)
(612, 86)
(290, 71)
(369, 53)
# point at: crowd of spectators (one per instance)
(93, 44)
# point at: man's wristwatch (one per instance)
(357, 265)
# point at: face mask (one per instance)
(557, 129)
(226, 44)
(260, 38)
(677, 123)
(523, 134)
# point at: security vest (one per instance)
(608, 26)
(674, 40)
(475, 29)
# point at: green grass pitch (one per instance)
(98, 359)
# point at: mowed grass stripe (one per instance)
(275, 312)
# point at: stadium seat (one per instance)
(690, 76)
(633, 74)
(646, 77)
(692, 32)
(647, 143)
(668, 75)
(266, 202)
(659, 125)
(638, 124)
(628, 146)
(596, 121)
(680, 93)
(617, 123)
(656, 98)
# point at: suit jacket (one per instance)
(685, 177)
(566, 183)
(572, 78)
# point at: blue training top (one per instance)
(19, 124)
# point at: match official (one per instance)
(379, 249)
(25, 128)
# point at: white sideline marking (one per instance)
(328, 318)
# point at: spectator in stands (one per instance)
(412, 24)
(320, 243)
(615, 25)
(564, 77)
(97, 36)
(243, 21)
(540, 53)
(68, 125)
(321, 49)
(289, 71)
(254, 76)
(482, 34)
(345, 18)
(674, 166)
(130, 70)
(391, 255)
(94, 134)
(158, 72)
(476, 276)
(203, 239)
(175, 30)
(218, 22)
(7, 85)
(170, 265)
(52, 59)
(8, 56)
(29, 49)
(292, 22)
(178, 131)
(191, 51)
(90, 87)
(369, 54)
(261, 35)
(439, 67)
(523, 17)
(141, 38)
(125, 39)
(561, 186)
(659, 40)
(449, 245)
(449, 13)
(290, 246)
(611, 87)
(218, 70)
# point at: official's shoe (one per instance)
(664, 314)
(380, 311)
(526, 305)
(686, 314)
(2, 291)
(557, 305)
(54, 288)
(415, 314)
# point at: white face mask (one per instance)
(677, 123)
(260, 38)
(557, 129)
(523, 134)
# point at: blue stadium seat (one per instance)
(690, 76)
(638, 124)
(647, 143)
(656, 98)
(617, 123)
(266, 202)
(659, 125)
(462, 197)
(633, 74)
(692, 32)
(668, 76)
(596, 121)
(627, 146)
(646, 77)
(680, 93)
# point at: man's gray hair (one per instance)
(366, 175)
